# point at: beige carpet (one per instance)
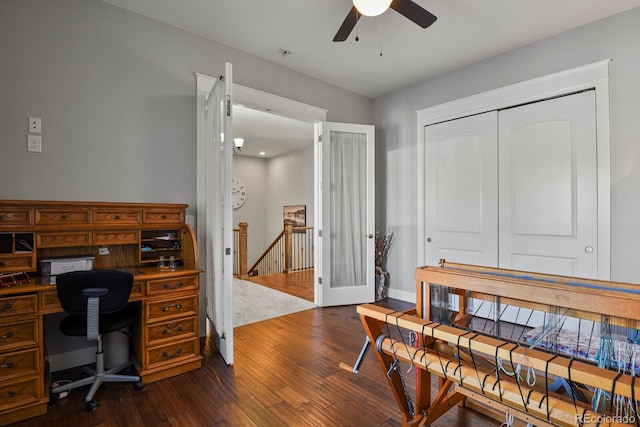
(253, 303)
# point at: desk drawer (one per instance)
(172, 330)
(172, 308)
(62, 216)
(18, 364)
(159, 287)
(117, 216)
(115, 238)
(171, 353)
(10, 217)
(59, 240)
(13, 263)
(18, 393)
(49, 300)
(17, 335)
(19, 304)
(163, 216)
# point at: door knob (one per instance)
(588, 249)
(370, 236)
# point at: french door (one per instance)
(345, 213)
(214, 205)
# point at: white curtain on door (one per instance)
(348, 213)
(214, 138)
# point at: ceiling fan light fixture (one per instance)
(372, 7)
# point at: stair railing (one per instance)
(291, 250)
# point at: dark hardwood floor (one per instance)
(285, 374)
(297, 283)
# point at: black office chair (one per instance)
(95, 301)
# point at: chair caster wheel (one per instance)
(91, 406)
(138, 386)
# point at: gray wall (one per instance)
(252, 171)
(116, 94)
(395, 119)
(291, 178)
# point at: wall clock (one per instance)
(239, 193)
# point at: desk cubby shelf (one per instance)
(16, 252)
(157, 243)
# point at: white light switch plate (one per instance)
(34, 143)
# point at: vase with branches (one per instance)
(383, 244)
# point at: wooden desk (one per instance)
(166, 332)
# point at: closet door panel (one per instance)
(461, 190)
(548, 187)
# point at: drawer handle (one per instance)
(9, 394)
(166, 331)
(2, 263)
(7, 365)
(117, 217)
(1, 217)
(7, 335)
(63, 216)
(8, 305)
(167, 307)
(168, 286)
(163, 216)
(176, 354)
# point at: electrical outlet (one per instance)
(34, 143)
(35, 125)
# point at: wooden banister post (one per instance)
(288, 230)
(242, 247)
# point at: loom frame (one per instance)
(582, 298)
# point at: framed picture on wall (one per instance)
(296, 213)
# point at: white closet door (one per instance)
(461, 190)
(548, 187)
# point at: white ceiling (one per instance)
(466, 31)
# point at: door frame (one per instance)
(591, 76)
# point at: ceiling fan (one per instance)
(406, 8)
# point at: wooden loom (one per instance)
(470, 359)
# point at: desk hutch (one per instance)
(125, 236)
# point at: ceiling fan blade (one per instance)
(414, 12)
(348, 25)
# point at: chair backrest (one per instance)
(70, 287)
